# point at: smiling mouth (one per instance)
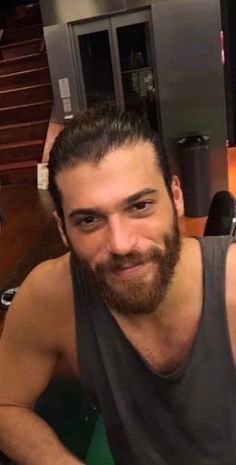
(128, 270)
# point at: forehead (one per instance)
(118, 175)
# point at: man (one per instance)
(145, 317)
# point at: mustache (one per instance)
(135, 258)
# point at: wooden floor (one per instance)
(29, 234)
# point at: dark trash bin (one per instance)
(194, 161)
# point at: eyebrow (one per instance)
(124, 203)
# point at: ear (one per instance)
(60, 228)
(177, 196)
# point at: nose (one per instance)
(121, 240)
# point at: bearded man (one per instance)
(145, 317)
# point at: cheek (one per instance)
(86, 246)
(155, 233)
(156, 227)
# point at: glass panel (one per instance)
(97, 68)
(137, 71)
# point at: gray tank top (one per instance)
(185, 418)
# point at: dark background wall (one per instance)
(6, 6)
(191, 77)
(228, 14)
(189, 68)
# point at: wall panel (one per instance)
(190, 75)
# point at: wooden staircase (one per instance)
(25, 96)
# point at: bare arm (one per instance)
(29, 349)
(231, 296)
(28, 440)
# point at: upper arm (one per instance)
(28, 346)
(231, 295)
(231, 276)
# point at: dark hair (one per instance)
(92, 134)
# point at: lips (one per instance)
(127, 266)
(127, 270)
(123, 264)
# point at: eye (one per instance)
(142, 206)
(88, 220)
(88, 223)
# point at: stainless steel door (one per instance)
(92, 43)
(134, 57)
(115, 61)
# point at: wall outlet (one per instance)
(42, 176)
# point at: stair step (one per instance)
(28, 20)
(24, 95)
(32, 61)
(23, 151)
(20, 49)
(26, 10)
(31, 76)
(11, 35)
(11, 133)
(24, 113)
(24, 14)
(24, 172)
(17, 165)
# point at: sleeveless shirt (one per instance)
(185, 418)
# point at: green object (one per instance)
(99, 452)
(66, 408)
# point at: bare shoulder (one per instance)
(44, 300)
(191, 252)
(231, 295)
(56, 268)
(38, 332)
(49, 282)
(231, 276)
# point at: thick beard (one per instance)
(135, 296)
